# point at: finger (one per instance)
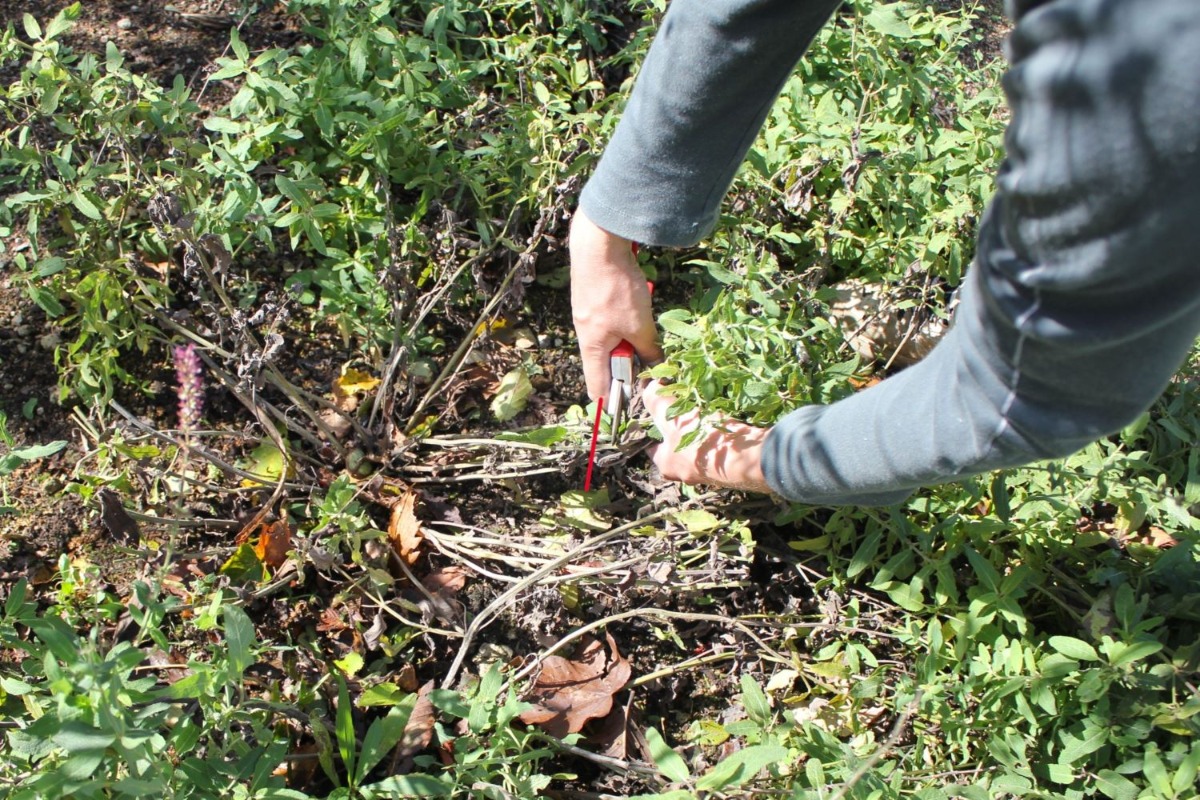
(597, 370)
(657, 403)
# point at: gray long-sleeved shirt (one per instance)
(1085, 294)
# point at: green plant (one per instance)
(88, 720)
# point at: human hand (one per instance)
(609, 302)
(729, 456)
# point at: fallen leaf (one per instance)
(511, 395)
(116, 520)
(273, 543)
(266, 462)
(418, 731)
(569, 692)
(448, 580)
(406, 678)
(404, 529)
(244, 566)
(373, 634)
(611, 735)
(353, 382)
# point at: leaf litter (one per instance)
(570, 692)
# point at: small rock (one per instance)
(558, 342)
(124, 23)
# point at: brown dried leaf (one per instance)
(611, 735)
(404, 529)
(569, 692)
(274, 542)
(116, 520)
(448, 580)
(418, 731)
(406, 678)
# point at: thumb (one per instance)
(657, 402)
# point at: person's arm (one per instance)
(1084, 297)
(711, 75)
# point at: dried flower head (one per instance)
(190, 386)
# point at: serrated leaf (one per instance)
(669, 763)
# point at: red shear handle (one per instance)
(623, 350)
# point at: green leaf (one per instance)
(513, 393)
(47, 301)
(1115, 785)
(546, 437)
(864, 555)
(85, 746)
(62, 21)
(24, 455)
(742, 766)
(675, 322)
(112, 57)
(1156, 772)
(344, 726)
(239, 47)
(85, 205)
(32, 29)
(358, 59)
(1074, 648)
(244, 566)
(383, 735)
(1076, 746)
(350, 664)
(58, 637)
(14, 686)
(669, 763)
(409, 786)
(1123, 654)
(889, 20)
(757, 706)
(383, 694)
(239, 638)
(451, 702)
(698, 520)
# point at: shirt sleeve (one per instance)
(704, 89)
(1084, 297)
(1085, 294)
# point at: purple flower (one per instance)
(190, 386)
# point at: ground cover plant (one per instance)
(293, 435)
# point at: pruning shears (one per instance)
(623, 369)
